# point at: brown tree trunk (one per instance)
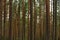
(18, 21)
(30, 18)
(40, 20)
(54, 37)
(0, 19)
(35, 21)
(5, 21)
(15, 21)
(10, 19)
(23, 20)
(47, 19)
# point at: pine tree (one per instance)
(10, 19)
(35, 20)
(18, 20)
(54, 37)
(47, 19)
(5, 15)
(23, 19)
(30, 7)
(0, 19)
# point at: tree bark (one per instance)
(10, 19)
(23, 19)
(30, 18)
(35, 20)
(5, 15)
(54, 37)
(0, 19)
(18, 20)
(47, 19)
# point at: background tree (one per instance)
(54, 19)
(10, 19)
(0, 19)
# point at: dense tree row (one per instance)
(29, 20)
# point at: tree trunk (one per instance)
(40, 20)
(54, 20)
(0, 19)
(35, 20)
(18, 20)
(47, 19)
(10, 19)
(30, 18)
(23, 19)
(5, 21)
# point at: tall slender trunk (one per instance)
(35, 20)
(23, 20)
(18, 20)
(28, 21)
(54, 20)
(47, 19)
(15, 21)
(40, 19)
(10, 19)
(0, 19)
(30, 18)
(5, 15)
